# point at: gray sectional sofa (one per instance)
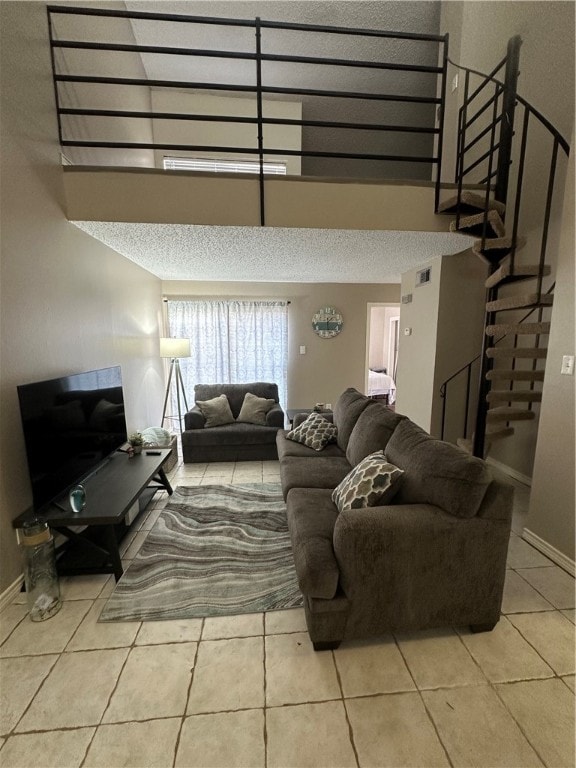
(236, 441)
(435, 556)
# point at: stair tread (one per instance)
(496, 432)
(475, 224)
(507, 272)
(514, 395)
(520, 302)
(470, 201)
(499, 244)
(506, 413)
(526, 352)
(514, 375)
(518, 328)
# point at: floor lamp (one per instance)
(175, 349)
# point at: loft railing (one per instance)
(258, 89)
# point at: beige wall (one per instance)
(68, 302)
(329, 365)
(417, 350)
(552, 502)
(445, 319)
(225, 134)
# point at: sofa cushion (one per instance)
(436, 472)
(290, 448)
(216, 411)
(372, 431)
(315, 432)
(235, 392)
(373, 481)
(311, 518)
(230, 434)
(322, 472)
(347, 409)
(254, 409)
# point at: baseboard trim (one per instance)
(11, 592)
(547, 549)
(510, 471)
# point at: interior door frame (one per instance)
(369, 306)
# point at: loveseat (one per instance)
(433, 556)
(236, 440)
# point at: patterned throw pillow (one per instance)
(373, 481)
(315, 432)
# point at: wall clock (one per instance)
(327, 322)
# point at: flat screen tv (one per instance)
(71, 426)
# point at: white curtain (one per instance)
(232, 342)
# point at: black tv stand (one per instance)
(110, 493)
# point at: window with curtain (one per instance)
(232, 341)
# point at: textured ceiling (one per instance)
(262, 254)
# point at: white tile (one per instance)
(55, 749)
(437, 658)
(309, 736)
(20, 678)
(476, 730)
(544, 709)
(372, 666)
(552, 635)
(290, 620)
(82, 587)
(520, 597)
(50, 636)
(555, 584)
(521, 554)
(108, 588)
(243, 625)
(394, 730)
(569, 680)
(229, 675)
(504, 655)
(136, 543)
(154, 683)
(10, 617)
(76, 691)
(570, 613)
(223, 740)
(216, 479)
(93, 634)
(134, 745)
(150, 520)
(173, 631)
(295, 672)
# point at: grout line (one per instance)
(184, 715)
(346, 714)
(428, 713)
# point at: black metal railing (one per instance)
(465, 423)
(433, 99)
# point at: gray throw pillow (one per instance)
(216, 411)
(254, 409)
(373, 481)
(315, 432)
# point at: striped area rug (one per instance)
(215, 550)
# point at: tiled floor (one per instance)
(250, 691)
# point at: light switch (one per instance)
(302, 349)
(407, 331)
(567, 365)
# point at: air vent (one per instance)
(407, 298)
(423, 276)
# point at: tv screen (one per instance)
(71, 425)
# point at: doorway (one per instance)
(383, 327)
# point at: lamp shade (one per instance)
(174, 347)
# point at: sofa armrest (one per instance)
(194, 419)
(414, 565)
(275, 417)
